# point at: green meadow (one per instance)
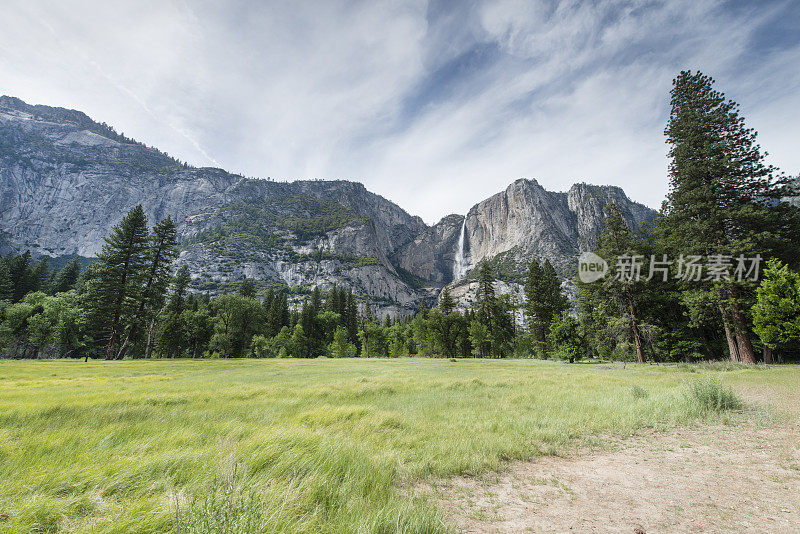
(303, 445)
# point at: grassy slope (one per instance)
(320, 445)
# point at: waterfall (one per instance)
(459, 267)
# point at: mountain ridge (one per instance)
(66, 180)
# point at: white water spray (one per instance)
(459, 266)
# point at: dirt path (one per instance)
(738, 478)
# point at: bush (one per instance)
(639, 392)
(711, 395)
(565, 338)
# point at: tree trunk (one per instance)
(767, 355)
(733, 350)
(746, 351)
(637, 336)
(150, 338)
(112, 338)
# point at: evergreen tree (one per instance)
(116, 290)
(180, 286)
(6, 286)
(162, 252)
(41, 278)
(618, 247)
(247, 288)
(543, 299)
(486, 294)
(21, 275)
(341, 347)
(723, 198)
(446, 304)
(67, 277)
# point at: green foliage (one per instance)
(565, 336)
(711, 395)
(776, 314)
(723, 198)
(341, 347)
(263, 223)
(543, 300)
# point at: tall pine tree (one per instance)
(116, 289)
(723, 198)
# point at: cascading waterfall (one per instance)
(459, 265)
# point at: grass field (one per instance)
(299, 445)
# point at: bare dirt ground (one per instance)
(737, 477)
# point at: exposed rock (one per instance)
(66, 180)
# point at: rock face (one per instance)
(525, 221)
(66, 180)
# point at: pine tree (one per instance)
(6, 287)
(618, 248)
(180, 286)
(21, 275)
(486, 294)
(351, 318)
(247, 288)
(116, 291)
(162, 251)
(543, 299)
(41, 277)
(723, 199)
(67, 276)
(446, 303)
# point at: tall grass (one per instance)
(711, 395)
(310, 446)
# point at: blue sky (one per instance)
(433, 104)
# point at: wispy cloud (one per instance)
(433, 104)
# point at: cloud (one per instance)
(435, 105)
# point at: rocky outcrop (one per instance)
(525, 221)
(66, 180)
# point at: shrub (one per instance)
(638, 392)
(711, 395)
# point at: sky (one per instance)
(434, 104)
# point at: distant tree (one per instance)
(299, 343)
(609, 307)
(565, 337)
(237, 320)
(116, 289)
(6, 286)
(21, 275)
(41, 277)
(341, 347)
(248, 288)
(486, 294)
(479, 339)
(67, 277)
(543, 299)
(446, 304)
(162, 251)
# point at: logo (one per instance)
(591, 267)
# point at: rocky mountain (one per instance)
(524, 221)
(65, 180)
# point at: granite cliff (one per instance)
(65, 180)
